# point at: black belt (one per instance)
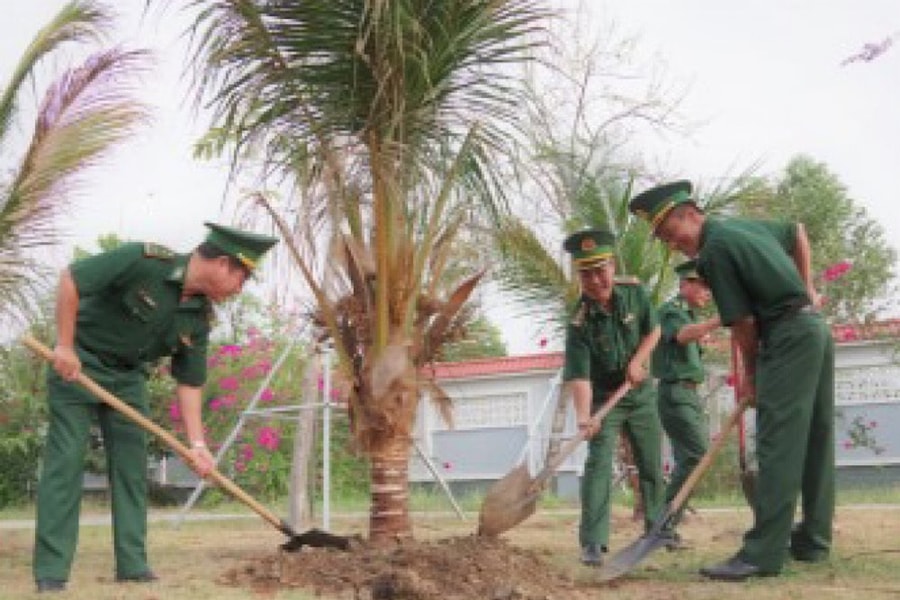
(789, 313)
(113, 362)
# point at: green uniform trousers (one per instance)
(637, 413)
(72, 409)
(795, 442)
(686, 425)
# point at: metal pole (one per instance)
(326, 441)
(440, 479)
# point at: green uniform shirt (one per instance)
(673, 361)
(749, 269)
(600, 344)
(130, 310)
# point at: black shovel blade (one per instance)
(627, 558)
(316, 538)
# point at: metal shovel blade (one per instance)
(510, 501)
(627, 558)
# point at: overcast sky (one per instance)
(765, 78)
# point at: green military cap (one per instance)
(688, 270)
(246, 246)
(590, 248)
(654, 204)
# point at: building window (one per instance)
(867, 385)
(495, 410)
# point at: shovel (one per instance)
(627, 558)
(313, 537)
(748, 476)
(514, 498)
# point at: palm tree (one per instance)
(84, 112)
(381, 116)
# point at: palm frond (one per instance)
(77, 21)
(83, 115)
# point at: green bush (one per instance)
(19, 456)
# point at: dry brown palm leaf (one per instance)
(435, 335)
(440, 399)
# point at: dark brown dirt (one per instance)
(459, 568)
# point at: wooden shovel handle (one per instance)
(170, 440)
(569, 447)
(688, 486)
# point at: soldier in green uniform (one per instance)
(114, 312)
(609, 340)
(678, 366)
(760, 277)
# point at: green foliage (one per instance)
(482, 339)
(82, 114)
(839, 230)
(23, 417)
(19, 455)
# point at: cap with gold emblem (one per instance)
(687, 270)
(590, 248)
(654, 204)
(246, 246)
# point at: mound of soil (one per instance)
(461, 568)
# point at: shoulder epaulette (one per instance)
(627, 280)
(157, 251)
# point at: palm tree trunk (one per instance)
(389, 513)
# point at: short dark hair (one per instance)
(210, 251)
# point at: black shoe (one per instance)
(51, 585)
(591, 555)
(733, 569)
(801, 549)
(145, 577)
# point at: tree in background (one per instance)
(478, 339)
(839, 230)
(84, 112)
(381, 120)
(576, 168)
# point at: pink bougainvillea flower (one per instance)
(228, 399)
(232, 350)
(267, 395)
(240, 466)
(837, 270)
(175, 411)
(215, 404)
(268, 438)
(247, 452)
(229, 383)
(251, 372)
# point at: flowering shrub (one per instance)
(259, 459)
(861, 434)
